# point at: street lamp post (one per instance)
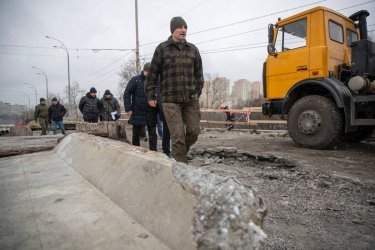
(137, 61)
(36, 94)
(45, 75)
(67, 54)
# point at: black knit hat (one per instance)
(146, 67)
(107, 92)
(93, 90)
(54, 99)
(176, 22)
(42, 99)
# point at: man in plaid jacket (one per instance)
(179, 66)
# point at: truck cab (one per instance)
(319, 75)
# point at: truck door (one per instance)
(290, 64)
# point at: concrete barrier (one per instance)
(21, 131)
(113, 130)
(186, 208)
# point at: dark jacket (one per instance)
(41, 111)
(56, 112)
(159, 100)
(107, 106)
(89, 107)
(135, 100)
(180, 69)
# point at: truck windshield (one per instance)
(291, 36)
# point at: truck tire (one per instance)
(362, 134)
(315, 122)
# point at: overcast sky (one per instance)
(83, 25)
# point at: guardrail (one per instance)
(70, 124)
(246, 111)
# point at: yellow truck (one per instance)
(319, 75)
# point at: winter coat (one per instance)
(41, 111)
(159, 99)
(135, 100)
(89, 107)
(108, 106)
(56, 112)
(179, 66)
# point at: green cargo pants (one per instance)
(44, 124)
(183, 120)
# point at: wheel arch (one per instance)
(329, 87)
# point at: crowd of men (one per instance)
(165, 96)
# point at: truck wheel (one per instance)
(315, 122)
(361, 134)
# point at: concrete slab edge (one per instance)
(193, 209)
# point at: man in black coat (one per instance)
(136, 106)
(56, 113)
(89, 105)
(166, 134)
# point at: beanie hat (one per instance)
(42, 99)
(92, 90)
(107, 92)
(176, 22)
(54, 99)
(146, 67)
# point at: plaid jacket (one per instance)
(179, 67)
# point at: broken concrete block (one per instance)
(21, 131)
(100, 127)
(184, 207)
(112, 130)
(116, 131)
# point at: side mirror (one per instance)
(270, 33)
(271, 48)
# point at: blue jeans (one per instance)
(61, 126)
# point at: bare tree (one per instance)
(58, 97)
(128, 71)
(75, 94)
(215, 91)
(207, 96)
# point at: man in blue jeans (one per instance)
(56, 113)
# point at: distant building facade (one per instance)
(6, 107)
(215, 92)
(244, 90)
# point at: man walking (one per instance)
(139, 111)
(179, 66)
(56, 113)
(89, 105)
(41, 115)
(110, 107)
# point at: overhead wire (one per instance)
(184, 13)
(72, 49)
(356, 5)
(251, 19)
(103, 68)
(239, 22)
(255, 18)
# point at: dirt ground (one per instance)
(317, 199)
